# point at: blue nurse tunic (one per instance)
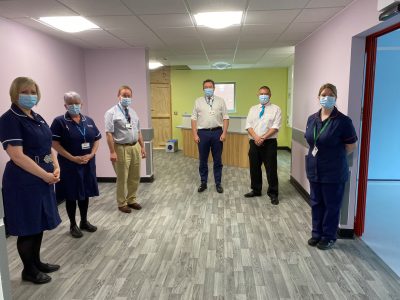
(30, 205)
(78, 182)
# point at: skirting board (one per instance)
(341, 233)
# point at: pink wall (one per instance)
(55, 65)
(106, 71)
(325, 56)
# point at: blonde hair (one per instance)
(124, 87)
(19, 84)
(328, 86)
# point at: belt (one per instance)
(210, 129)
(128, 144)
(42, 158)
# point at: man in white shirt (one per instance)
(210, 123)
(262, 124)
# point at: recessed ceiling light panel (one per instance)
(218, 20)
(68, 24)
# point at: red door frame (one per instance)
(370, 49)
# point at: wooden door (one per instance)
(161, 113)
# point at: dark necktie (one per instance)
(262, 111)
(127, 115)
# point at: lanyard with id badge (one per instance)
(316, 136)
(128, 124)
(85, 145)
(210, 102)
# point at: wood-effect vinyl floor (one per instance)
(186, 245)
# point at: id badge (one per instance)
(85, 146)
(314, 151)
(128, 126)
(212, 112)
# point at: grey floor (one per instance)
(185, 245)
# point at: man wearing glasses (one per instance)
(126, 146)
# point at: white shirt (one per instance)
(210, 115)
(272, 118)
(116, 121)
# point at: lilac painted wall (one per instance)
(325, 56)
(55, 65)
(106, 71)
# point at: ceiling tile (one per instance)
(265, 32)
(151, 7)
(278, 4)
(271, 16)
(97, 7)
(33, 8)
(197, 6)
(317, 14)
(167, 20)
(245, 56)
(255, 44)
(229, 34)
(101, 39)
(328, 3)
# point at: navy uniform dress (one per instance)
(77, 182)
(30, 204)
(328, 170)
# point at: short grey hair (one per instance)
(71, 96)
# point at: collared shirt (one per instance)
(116, 121)
(72, 135)
(210, 113)
(329, 165)
(272, 118)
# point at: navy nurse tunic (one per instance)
(30, 204)
(78, 182)
(330, 163)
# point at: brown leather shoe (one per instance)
(136, 206)
(125, 209)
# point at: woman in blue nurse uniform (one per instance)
(76, 139)
(331, 136)
(29, 200)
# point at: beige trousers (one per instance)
(127, 168)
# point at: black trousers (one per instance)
(265, 154)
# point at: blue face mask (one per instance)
(208, 92)
(27, 101)
(264, 99)
(327, 102)
(74, 109)
(125, 102)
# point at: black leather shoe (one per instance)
(87, 226)
(75, 231)
(202, 187)
(39, 278)
(325, 244)
(252, 194)
(274, 200)
(47, 268)
(313, 242)
(219, 188)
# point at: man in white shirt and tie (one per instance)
(210, 123)
(262, 124)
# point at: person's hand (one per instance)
(56, 172)
(113, 156)
(222, 137)
(80, 160)
(50, 178)
(196, 139)
(88, 157)
(143, 152)
(258, 140)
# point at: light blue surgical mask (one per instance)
(27, 101)
(125, 102)
(208, 92)
(264, 99)
(74, 109)
(327, 102)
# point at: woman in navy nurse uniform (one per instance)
(30, 205)
(76, 139)
(331, 136)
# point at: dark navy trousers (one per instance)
(326, 201)
(209, 140)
